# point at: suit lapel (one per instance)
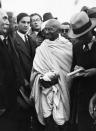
(21, 46)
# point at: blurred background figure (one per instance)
(35, 30)
(13, 27)
(0, 4)
(47, 16)
(84, 8)
(76, 2)
(10, 15)
(12, 23)
(92, 14)
(64, 31)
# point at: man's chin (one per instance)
(5, 31)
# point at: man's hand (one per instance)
(49, 79)
(90, 72)
(85, 73)
(80, 72)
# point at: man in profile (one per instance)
(10, 80)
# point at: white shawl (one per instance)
(57, 56)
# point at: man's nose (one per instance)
(7, 22)
(27, 24)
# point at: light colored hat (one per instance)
(81, 24)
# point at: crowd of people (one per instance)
(48, 72)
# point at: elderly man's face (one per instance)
(51, 33)
(4, 22)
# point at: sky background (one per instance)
(63, 9)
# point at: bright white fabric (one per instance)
(52, 56)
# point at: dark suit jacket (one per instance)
(8, 75)
(26, 54)
(11, 78)
(83, 88)
(37, 38)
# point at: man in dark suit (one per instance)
(11, 79)
(84, 63)
(24, 45)
(25, 48)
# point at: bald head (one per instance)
(52, 29)
(53, 23)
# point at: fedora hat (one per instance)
(47, 16)
(81, 24)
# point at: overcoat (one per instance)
(83, 88)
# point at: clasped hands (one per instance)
(48, 79)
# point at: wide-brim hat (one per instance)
(81, 24)
(47, 16)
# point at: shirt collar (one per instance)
(21, 35)
(2, 37)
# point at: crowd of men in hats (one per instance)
(48, 72)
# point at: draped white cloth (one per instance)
(52, 56)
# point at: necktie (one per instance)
(7, 44)
(27, 43)
(5, 41)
